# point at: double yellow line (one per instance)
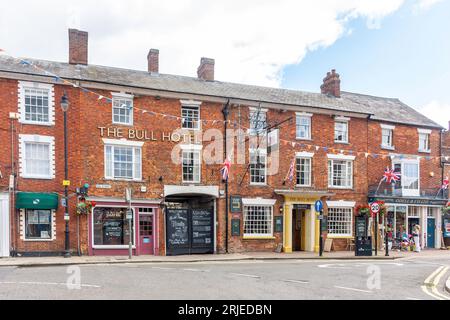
(431, 283)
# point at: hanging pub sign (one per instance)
(236, 204)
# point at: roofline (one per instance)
(256, 102)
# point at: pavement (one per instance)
(248, 256)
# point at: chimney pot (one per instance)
(206, 69)
(331, 84)
(78, 47)
(153, 60)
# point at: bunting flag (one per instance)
(226, 169)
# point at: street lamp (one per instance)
(65, 107)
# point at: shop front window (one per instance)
(400, 222)
(38, 224)
(111, 227)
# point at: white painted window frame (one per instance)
(390, 128)
(408, 192)
(122, 143)
(340, 119)
(264, 153)
(123, 96)
(344, 205)
(349, 160)
(427, 134)
(259, 202)
(303, 115)
(191, 104)
(304, 155)
(31, 138)
(51, 102)
(253, 131)
(22, 226)
(194, 148)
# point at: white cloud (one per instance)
(251, 40)
(437, 111)
(423, 5)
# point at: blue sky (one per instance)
(407, 57)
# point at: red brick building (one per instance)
(163, 137)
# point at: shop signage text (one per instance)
(146, 135)
(409, 201)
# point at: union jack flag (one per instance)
(445, 184)
(290, 174)
(226, 169)
(390, 176)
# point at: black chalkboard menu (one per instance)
(202, 231)
(177, 228)
(361, 227)
(189, 231)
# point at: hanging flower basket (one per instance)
(363, 210)
(84, 207)
(446, 209)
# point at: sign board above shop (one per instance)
(411, 201)
(148, 135)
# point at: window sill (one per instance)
(341, 142)
(122, 124)
(258, 184)
(387, 148)
(258, 238)
(425, 151)
(37, 177)
(339, 237)
(39, 240)
(46, 124)
(340, 188)
(303, 186)
(124, 180)
(305, 139)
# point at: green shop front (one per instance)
(35, 233)
(403, 213)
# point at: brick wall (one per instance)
(86, 153)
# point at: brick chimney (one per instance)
(206, 69)
(78, 47)
(153, 61)
(331, 84)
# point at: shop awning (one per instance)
(34, 200)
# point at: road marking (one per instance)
(433, 281)
(353, 289)
(356, 265)
(161, 268)
(409, 298)
(296, 281)
(49, 284)
(245, 275)
(196, 270)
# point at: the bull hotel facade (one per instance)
(124, 126)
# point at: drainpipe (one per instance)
(226, 112)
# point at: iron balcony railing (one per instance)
(397, 191)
